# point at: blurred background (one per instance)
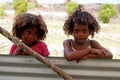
(55, 12)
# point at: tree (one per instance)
(71, 6)
(108, 11)
(20, 6)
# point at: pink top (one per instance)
(40, 47)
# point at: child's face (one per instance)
(80, 33)
(30, 35)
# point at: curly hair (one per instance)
(24, 21)
(80, 16)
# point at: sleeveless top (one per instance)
(71, 43)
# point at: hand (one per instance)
(21, 52)
(101, 53)
(83, 58)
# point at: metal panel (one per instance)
(26, 67)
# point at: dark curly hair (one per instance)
(24, 21)
(80, 16)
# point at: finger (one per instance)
(99, 55)
(104, 53)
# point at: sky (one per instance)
(63, 1)
(3, 1)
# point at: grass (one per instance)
(109, 37)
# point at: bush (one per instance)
(71, 6)
(103, 15)
(20, 6)
(108, 11)
(108, 6)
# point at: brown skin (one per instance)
(80, 43)
(29, 37)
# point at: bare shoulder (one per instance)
(66, 41)
(66, 44)
(95, 44)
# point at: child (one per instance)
(81, 25)
(31, 29)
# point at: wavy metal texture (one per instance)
(28, 68)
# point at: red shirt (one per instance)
(40, 47)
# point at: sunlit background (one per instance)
(54, 14)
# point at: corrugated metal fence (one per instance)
(28, 68)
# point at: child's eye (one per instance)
(76, 31)
(28, 32)
(85, 31)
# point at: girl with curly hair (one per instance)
(81, 24)
(31, 30)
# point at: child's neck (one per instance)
(81, 46)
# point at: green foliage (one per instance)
(108, 11)
(103, 15)
(71, 6)
(108, 6)
(2, 10)
(20, 6)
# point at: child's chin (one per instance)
(28, 44)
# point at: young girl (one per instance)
(31, 29)
(81, 25)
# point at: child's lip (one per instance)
(80, 38)
(28, 41)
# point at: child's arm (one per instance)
(97, 52)
(20, 51)
(89, 56)
(73, 55)
(17, 51)
(100, 50)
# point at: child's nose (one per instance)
(31, 36)
(80, 34)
